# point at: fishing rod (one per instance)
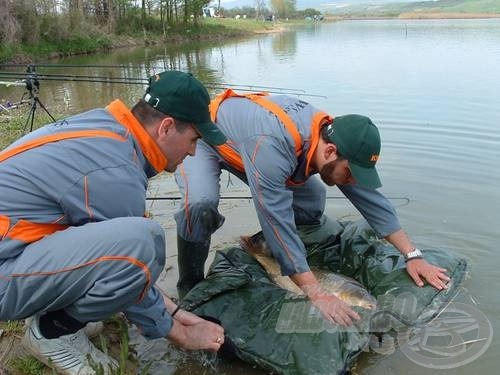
(63, 66)
(121, 66)
(224, 84)
(245, 197)
(131, 66)
(52, 75)
(141, 81)
(76, 78)
(12, 83)
(255, 89)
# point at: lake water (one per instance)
(432, 87)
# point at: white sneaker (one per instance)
(92, 329)
(67, 354)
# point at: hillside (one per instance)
(457, 7)
(302, 4)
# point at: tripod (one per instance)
(33, 87)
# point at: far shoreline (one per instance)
(117, 42)
(416, 16)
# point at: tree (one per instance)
(283, 8)
(28, 19)
(259, 8)
(311, 12)
(143, 14)
(9, 27)
(194, 8)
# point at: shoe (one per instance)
(68, 354)
(92, 329)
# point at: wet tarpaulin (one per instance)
(285, 334)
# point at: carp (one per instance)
(343, 287)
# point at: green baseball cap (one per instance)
(182, 96)
(358, 140)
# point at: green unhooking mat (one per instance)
(283, 333)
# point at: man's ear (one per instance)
(330, 152)
(165, 126)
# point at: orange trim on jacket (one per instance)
(148, 146)
(4, 226)
(58, 137)
(232, 156)
(228, 153)
(28, 231)
(319, 119)
(131, 260)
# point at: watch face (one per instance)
(414, 253)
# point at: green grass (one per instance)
(72, 46)
(207, 29)
(115, 343)
(27, 366)
(246, 25)
(8, 51)
(77, 45)
(120, 327)
(12, 328)
(215, 29)
(13, 124)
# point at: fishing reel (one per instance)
(33, 86)
(31, 81)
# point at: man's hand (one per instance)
(187, 318)
(191, 332)
(419, 269)
(335, 310)
(332, 308)
(202, 335)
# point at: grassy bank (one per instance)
(213, 29)
(13, 124)
(46, 49)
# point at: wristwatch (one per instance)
(414, 254)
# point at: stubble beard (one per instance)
(326, 173)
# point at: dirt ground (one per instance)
(10, 347)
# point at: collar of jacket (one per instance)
(148, 146)
(319, 119)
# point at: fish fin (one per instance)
(254, 244)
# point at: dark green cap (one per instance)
(182, 96)
(358, 140)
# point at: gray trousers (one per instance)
(198, 179)
(91, 271)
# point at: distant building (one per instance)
(209, 12)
